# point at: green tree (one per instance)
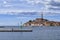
(30, 20)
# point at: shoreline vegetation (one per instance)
(41, 22)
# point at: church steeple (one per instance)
(42, 19)
(42, 15)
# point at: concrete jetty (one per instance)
(14, 30)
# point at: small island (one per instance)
(40, 22)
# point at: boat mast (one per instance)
(21, 25)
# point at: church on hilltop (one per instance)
(41, 22)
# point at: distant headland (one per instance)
(40, 22)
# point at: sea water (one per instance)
(38, 33)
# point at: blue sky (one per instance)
(13, 12)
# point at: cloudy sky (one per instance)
(13, 12)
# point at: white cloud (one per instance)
(33, 2)
(38, 1)
(53, 6)
(15, 12)
(57, 0)
(8, 5)
(53, 11)
(5, 2)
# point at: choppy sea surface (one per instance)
(38, 33)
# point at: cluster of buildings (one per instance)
(40, 22)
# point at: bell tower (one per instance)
(42, 19)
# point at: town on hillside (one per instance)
(40, 22)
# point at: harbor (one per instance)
(14, 30)
(38, 33)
